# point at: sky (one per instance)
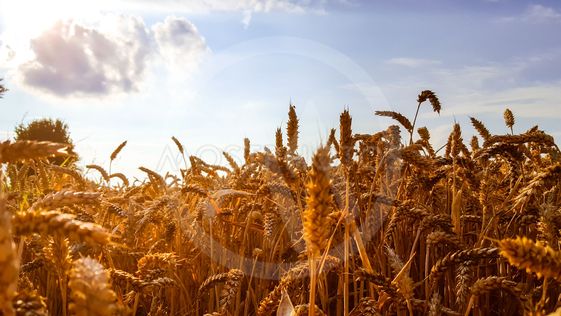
(213, 72)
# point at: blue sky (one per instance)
(213, 72)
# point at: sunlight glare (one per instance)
(23, 20)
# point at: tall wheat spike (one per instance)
(509, 119)
(280, 150)
(433, 99)
(117, 150)
(178, 144)
(318, 204)
(346, 142)
(481, 129)
(292, 129)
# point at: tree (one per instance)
(2, 89)
(47, 130)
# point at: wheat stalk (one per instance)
(9, 263)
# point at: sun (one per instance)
(22, 20)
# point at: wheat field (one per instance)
(373, 224)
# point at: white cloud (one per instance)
(246, 7)
(412, 62)
(527, 101)
(290, 6)
(111, 57)
(540, 13)
(536, 13)
(73, 59)
(179, 41)
(246, 19)
(528, 71)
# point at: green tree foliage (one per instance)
(47, 130)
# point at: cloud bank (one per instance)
(112, 55)
(75, 59)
